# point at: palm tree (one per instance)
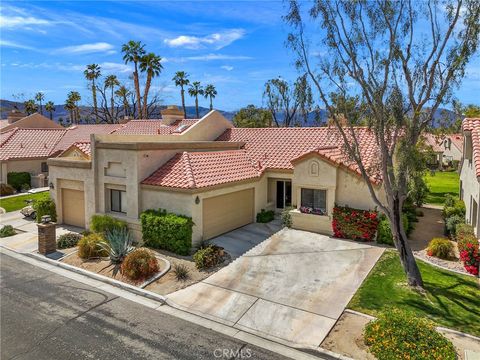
(50, 107)
(133, 52)
(40, 97)
(70, 106)
(152, 65)
(181, 79)
(73, 98)
(210, 92)
(123, 93)
(195, 90)
(30, 106)
(110, 82)
(92, 72)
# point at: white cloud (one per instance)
(227, 67)
(209, 57)
(12, 44)
(15, 22)
(88, 48)
(216, 40)
(115, 67)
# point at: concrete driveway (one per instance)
(26, 239)
(291, 288)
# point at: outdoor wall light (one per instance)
(197, 200)
(51, 186)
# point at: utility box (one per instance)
(47, 238)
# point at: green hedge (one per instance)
(45, 207)
(453, 214)
(17, 179)
(163, 230)
(265, 216)
(384, 235)
(105, 223)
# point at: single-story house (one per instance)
(218, 175)
(470, 171)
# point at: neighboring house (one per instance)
(470, 171)
(219, 175)
(447, 149)
(27, 150)
(17, 119)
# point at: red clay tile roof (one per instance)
(473, 125)
(275, 148)
(435, 141)
(81, 133)
(154, 127)
(457, 140)
(6, 135)
(191, 170)
(84, 147)
(30, 143)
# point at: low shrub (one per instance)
(105, 223)
(463, 231)
(471, 258)
(208, 257)
(45, 207)
(384, 232)
(440, 247)
(287, 217)
(17, 179)
(6, 190)
(89, 246)
(7, 231)
(181, 272)
(140, 264)
(68, 240)
(451, 224)
(356, 224)
(163, 230)
(399, 335)
(25, 187)
(265, 216)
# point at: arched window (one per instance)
(314, 168)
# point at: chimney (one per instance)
(15, 115)
(124, 120)
(171, 114)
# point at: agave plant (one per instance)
(118, 243)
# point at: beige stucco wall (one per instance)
(34, 167)
(470, 191)
(353, 191)
(313, 223)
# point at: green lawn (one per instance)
(18, 202)
(441, 184)
(451, 300)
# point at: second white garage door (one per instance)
(227, 212)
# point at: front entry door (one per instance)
(284, 194)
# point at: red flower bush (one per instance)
(470, 258)
(354, 224)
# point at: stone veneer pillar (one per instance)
(47, 239)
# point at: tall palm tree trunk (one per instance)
(211, 103)
(41, 109)
(51, 115)
(112, 106)
(137, 90)
(196, 105)
(183, 103)
(94, 96)
(145, 94)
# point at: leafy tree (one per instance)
(471, 111)
(111, 82)
(252, 117)
(196, 90)
(181, 79)
(123, 93)
(292, 102)
(92, 73)
(133, 52)
(50, 107)
(404, 58)
(210, 92)
(30, 106)
(152, 65)
(39, 97)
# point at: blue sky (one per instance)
(236, 46)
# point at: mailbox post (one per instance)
(47, 237)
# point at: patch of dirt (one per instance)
(103, 267)
(346, 338)
(168, 283)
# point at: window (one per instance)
(314, 201)
(118, 201)
(44, 167)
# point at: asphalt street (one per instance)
(48, 316)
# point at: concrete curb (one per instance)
(438, 328)
(104, 279)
